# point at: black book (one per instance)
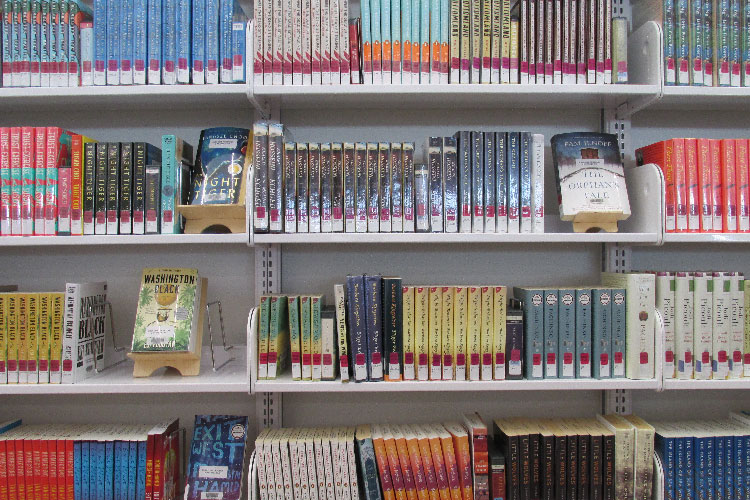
(514, 344)
(595, 466)
(153, 199)
(524, 445)
(143, 154)
(535, 458)
(100, 196)
(355, 312)
(89, 186)
(547, 452)
(506, 437)
(126, 187)
(561, 463)
(608, 465)
(477, 181)
(393, 326)
(113, 186)
(463, 140)
(584, 457)
(374, 316)
(497, 470)
(571, 486)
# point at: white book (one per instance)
(328, 334)
(315, 38)
(83, 339)
(352, 460)
(666, 306)
(268, 461)
(286, 466)
(296, 42)
(640, 303)
(261, 464)
(335, 17)
(291, 438)
(325, 41)
(278, 473)
(288, 41)
(737, 324)
(537, 183)
(267, 44)
(320, 472)
(306, 42)
(702, 325)
(336, 463)
(258, 50)
(347, 72)
(722, 325)
(278, 42)
(683, 324)
(326, 436)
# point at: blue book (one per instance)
(225, 40)
(140, 41)
(132, 467)
(710, 475)
(719, 467)
(11, 424)
(86, 471)
(212, 41)
(665, 447)
(100, 42)
(109, 470)
(739, 466)
(77, 468)
(618, 332)
(689, 467)
(583, 333)
(699, 471)
(154, 41)
(368, 466)
(680, 470)
(127, 25)
(113, 42)
(199, 42)
(533, 330)
(514, 173)
(118, 471)
(355, 308)
(239, 41)
(183, 32)
(551, 333)
(566, 333)
(729, 467)
(219, 441)
(78, 12)
(141, 475)
(746, 463)
(601, 332)
(98, 467)
(169, 42)
(374, 329)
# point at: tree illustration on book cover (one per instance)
(216, 469)
(166, 310)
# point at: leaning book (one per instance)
(220, 166)
(168, 311)
(589, 175)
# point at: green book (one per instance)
(295, 347)
(168, 317)
(306, 337)
(278, 338)
(264, 312)
(316, 347)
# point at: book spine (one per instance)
(506, 46)
(463, 142)
(348, 68)
(490, 203)
(409, 195)
(683, 321)
(313, 187)
(407, 303)
(533, 317)
(349, 187)
(421, 335)
(393, 327)
(561, 46)
(514, 346)
(259, 53)
(434, 332)
(113, 37)
(742, 163)
(54, 157)
(474, 332)
(154, 34)
(325, 41)
(447, 332)
(735, 57)
(357, 326)
(377, 41)
(455, 41)
(35, 32)
(225, 39)
(501, 182)
(716, 183)
(306, 336)
(486, 326)
(422, 198)
(153, 201)
(477, 181)
(275, 177)
(295, 345)
(140, 41)
(261, 181)
(528, 20)
(486, 41)
(6, 184)
(290, 187)
(680, 183)
(450, 184)
(27, 180)
(551, 333)
(336, 52)
(385, 185)
(374, 313)
(372, 187)
(64, 182)
(747, 332)
(169, 42)
(705, 189)
(728, 182)
(496, 41)
(601, 321)
(435, 34)
(737, 324)
(435, 168)
(360, 186)
(78, 183)
(213, 42)
(126, 188)
(499, 332)
(100, 196)
(424, 41)
(385, 45)
(113, 186)
(140, 151)
(514, 173)
(525, 182)
(460, 323)
(126, 42)
(16, 181)
(397, 187)
(583, 333)
(465, 42)
(302, 188)
(537, 183)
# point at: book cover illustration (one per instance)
(220, 166)
(167, 314)
(589, 174)
(217, 457)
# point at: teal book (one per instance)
(551, 333)
(533, 326)
(618, 332)
(368, 467)
(583, 333)
(176, 161)
(601, 332)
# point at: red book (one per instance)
(3, 472)
(5, 203)
(715, 149)
(662, 154)
(12, 469)
(381, 457)
(743, 189)
(354, 52)
(693, 180)
(62, 479)
(50, 191)
(680, 184)
(20, 469)
(76, 185)
(52, 452)
(705, 188)
(729, 186)
(29, 468)
(150, 466)
(40, 165)
(69, 471)
(44, 468)
(16, 178)
(36, 450)
(161, 433)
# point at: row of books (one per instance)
(705, 41)
(92, 461)
(606, 457)
(66, 43)
(53, 337)
(706, 180)
(380, 329)
(439, 41)
(491, 182)
(704, 324)
(705, 458)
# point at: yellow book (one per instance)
(487, 327)
(435, 333)
(45, 326)
(459, 331)
(13, 338)
(3, 338)
(515, 77)
(498, 319)
(56, 338)
(447, 332)
(23, 338)
(421, 346)
(505, 46)
(407, 302)
(473, 330)
(32, 346)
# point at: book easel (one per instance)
(213, 218)
(188, 364)
(593, 222)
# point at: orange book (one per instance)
(381, 457)
(729, 190)
(387, 58)
(417, 467)
(445, 59)
(416, 65)
(396, 68)
(451, 464)
(715, 151)
(392, 453)
(438, 461)
(463, 458)
(430, 476)
(743, 190)
(691, 172)
(705, 188)
(403, 458)
(661, 153)
(680, 184)
(406, 67)
(377, 60)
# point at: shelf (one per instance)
(706, 237)
(286, 384)
(704, 98)
(737, 383)
(230, 377)
(335, 238)
(131, 97)
(112, 239)
(451, 96)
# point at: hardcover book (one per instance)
(220, 166)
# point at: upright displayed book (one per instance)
(220, 166)
(86, 326)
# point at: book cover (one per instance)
(220, 167)
(84, 334)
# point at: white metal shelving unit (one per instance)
(118, 240)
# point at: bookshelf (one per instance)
(118, 240)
